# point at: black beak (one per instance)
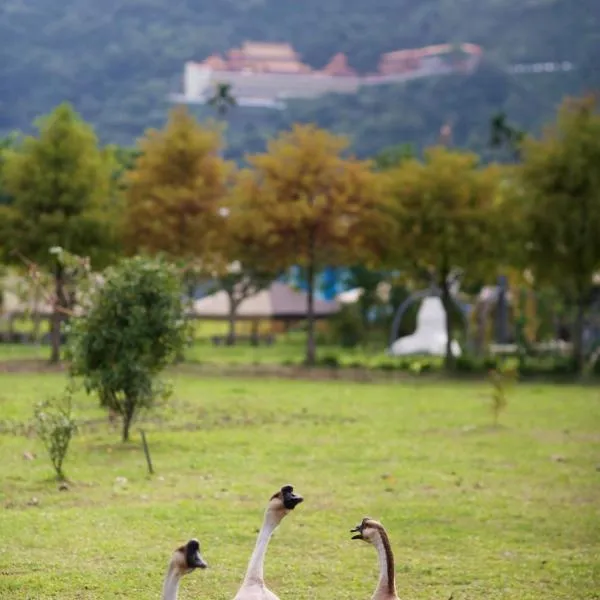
(290, 499)
(193, 558)
(358, 532)
(199, 562)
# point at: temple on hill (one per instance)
(430, 58)
(268, 73)
(259, 57)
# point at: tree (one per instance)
(55, 426)
(173, 194)
(448, 218)
(240, 281)
(370, 282)
(134, 328)
(61, 185)
(6, 144)
(558, 194)
(222, 99)
(246, 264)
(392, 156)
(174, 190)
(316, 208)
(504, 135)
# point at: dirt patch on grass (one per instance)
(211, 370)
(31, 365)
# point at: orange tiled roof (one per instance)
(272, 50)
(429, 51)
(215, 62)
(338, 65)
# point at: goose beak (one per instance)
(290, 499)
(358, 532)
(197, 562)
(193, 557)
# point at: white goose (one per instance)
(183, 561)
(280, 504)
(373, 532)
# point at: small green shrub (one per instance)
(348, 328)
(472, 364)
(55, 426)
(355, 364)
(133, 330)
(388, 365)
(330, 361)
(501, 380)
(560, 366)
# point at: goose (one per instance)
(183, 561)
(373, 532)
(280, 504)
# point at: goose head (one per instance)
(283, 502)
(367, 530)
(187, 558)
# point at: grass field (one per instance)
(486, 513)
(287, 350)
(289, 347)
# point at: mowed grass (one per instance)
(286, 350)
(473, 510)
(289, 347)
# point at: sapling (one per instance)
(55, 426)
(501, 380)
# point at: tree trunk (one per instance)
(128, 417)
(232, 315)
(311, 347)
(254, 334)
(126, 426)
(578, 350)
(60, 303)
(188, 316)
(37, 317)
(447, 302)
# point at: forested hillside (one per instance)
(117, 60)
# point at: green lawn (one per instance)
(286, 350)
(288, 347)
(486, 513)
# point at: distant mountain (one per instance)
(117, 60)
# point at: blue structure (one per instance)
(329, 282)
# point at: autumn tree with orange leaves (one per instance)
(314, 207)
(175, 191)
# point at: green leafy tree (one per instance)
(504, 135)
(60, 182)
(222, 99)
(370, 282)
(240, 281)
(392, 156)
(448, 219)
(6, 144)
(133, 330)
(557, 196)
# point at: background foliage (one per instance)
(117, 61)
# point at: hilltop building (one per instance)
(267, 74)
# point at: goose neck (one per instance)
(255, 571)
(386, 588)
(171, 585)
